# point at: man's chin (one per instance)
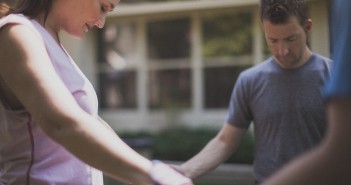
(286, 64)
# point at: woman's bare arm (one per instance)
(26, 69)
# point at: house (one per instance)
(168, 64)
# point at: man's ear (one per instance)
(308, 25)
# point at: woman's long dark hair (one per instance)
(30, 8)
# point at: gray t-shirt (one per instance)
(286, 108)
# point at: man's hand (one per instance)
(179, 169)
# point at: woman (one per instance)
(50, 132)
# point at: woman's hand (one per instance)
(163, 174)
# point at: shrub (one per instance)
(180, 144)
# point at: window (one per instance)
(170, 88)
(169, 39)
(226, 51)
(166, 60)
(117, 66)
(219, 85)
(169, 63)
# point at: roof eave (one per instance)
(172, 7)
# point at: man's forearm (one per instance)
(214, 153)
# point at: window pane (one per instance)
(170, 88)
(227, 34)
(117, 63)
(119, 45)
(227, 50)
(169, 39)
(117, 90)
(219, 83)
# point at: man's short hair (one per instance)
(279, 11)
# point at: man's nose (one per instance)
(283, 50)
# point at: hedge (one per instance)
(180, 144)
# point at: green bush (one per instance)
(181, 144)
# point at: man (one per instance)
(330, 162)
(281, 96)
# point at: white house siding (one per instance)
(85, 54)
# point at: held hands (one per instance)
(162, 174)
(179, 169)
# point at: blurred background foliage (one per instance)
(180, 144)
(226, 35)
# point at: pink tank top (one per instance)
(27, 155)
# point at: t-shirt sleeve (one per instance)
(239, 113)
